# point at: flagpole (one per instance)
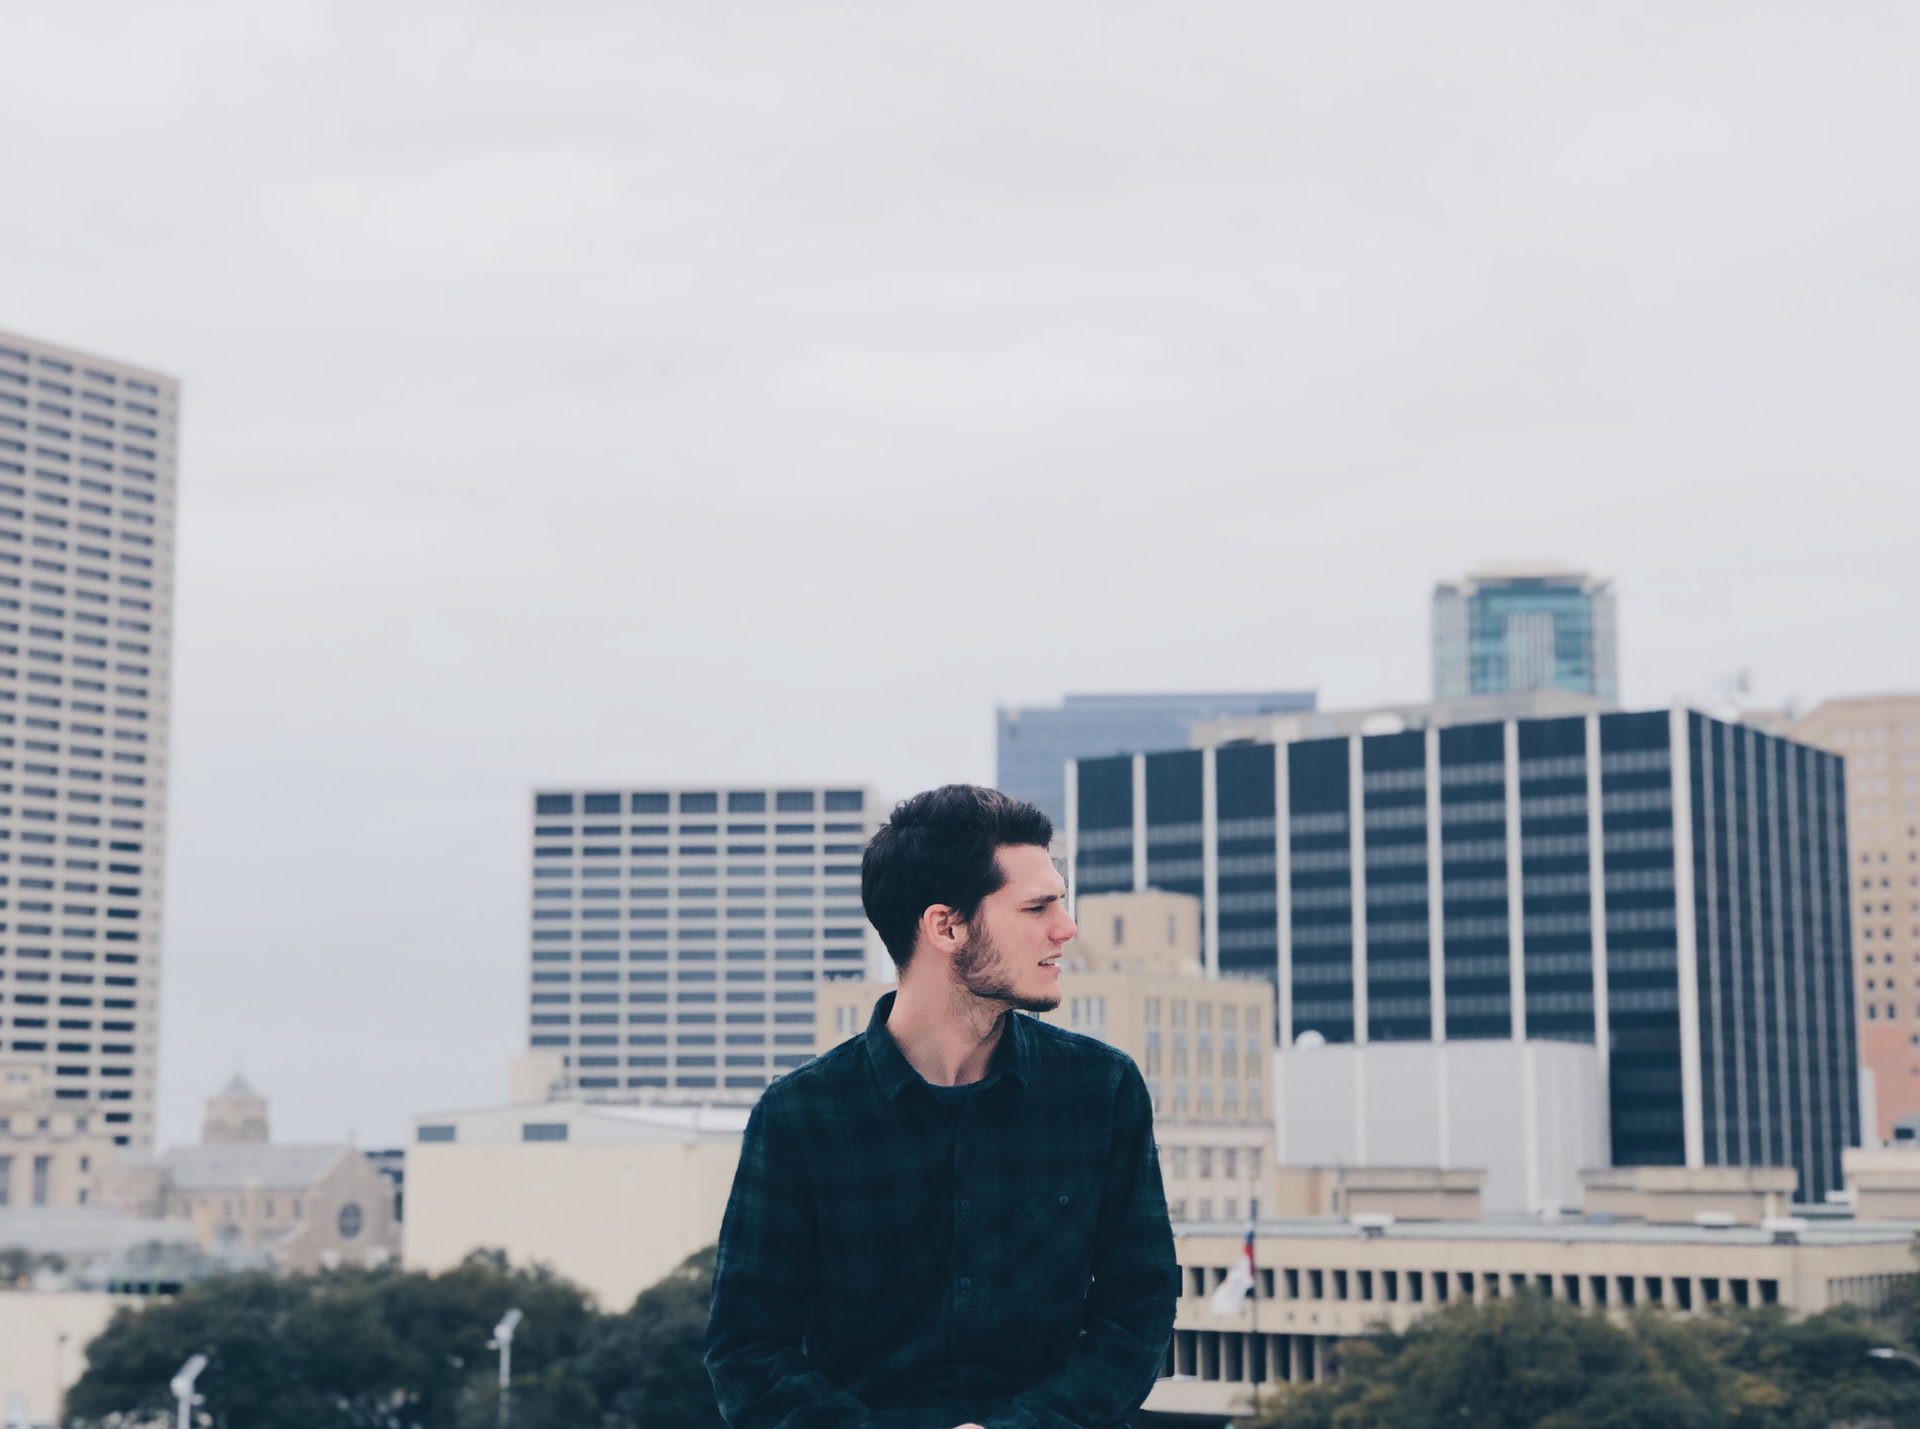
(1253, 1264)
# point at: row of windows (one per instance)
(60, 568)
(806, 849)
(93, 374)
(785, 801)
(94, 484)
(1401, 1287)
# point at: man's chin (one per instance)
(1046, 1003)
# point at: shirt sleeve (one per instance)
(762, 1376)
(1130, 1305)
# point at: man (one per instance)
(957, 1217)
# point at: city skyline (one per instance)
(621, 402)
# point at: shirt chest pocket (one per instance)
(1050, 1240)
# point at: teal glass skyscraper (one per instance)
(1510, 629)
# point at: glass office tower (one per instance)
(1665, 886)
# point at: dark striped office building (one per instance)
(1666, 886)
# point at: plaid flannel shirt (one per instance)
(888, 1259)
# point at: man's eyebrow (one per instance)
(1036, 898)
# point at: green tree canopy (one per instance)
(1529, 1363)
(391, 1349)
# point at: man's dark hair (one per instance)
(938, 848)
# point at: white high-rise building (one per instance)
(677, 935)
(87, 474)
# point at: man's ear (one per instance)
(943, 927)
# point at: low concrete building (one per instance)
(50, 1149)
(1680, 1194)
(610, 1196)
(1884, 1182)
(1324, 1280)
(93, 1248)
(1531, 1114)
(1407, 1193)
(1134, 979)
(43, 1343)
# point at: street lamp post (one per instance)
(59, 1384)
(503, 1341)
(182, 1387)
(1888, 1352)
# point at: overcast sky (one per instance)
(618, 392)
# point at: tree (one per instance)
(1528, 1363)
(382, 1349)
(646, 1367)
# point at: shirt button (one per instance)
(965, 1283)
(1063, 1200)
(965, 1204)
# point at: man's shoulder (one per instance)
(825, 1075)
(1060, 1046)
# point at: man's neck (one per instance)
(946, 1033)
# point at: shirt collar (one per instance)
(1013, 1056)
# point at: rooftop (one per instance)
(1569, 1231)
(609, 1121)
(271, 1168)
(85, 1231)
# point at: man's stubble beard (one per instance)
(982, 970)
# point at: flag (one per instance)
(1239, 1283)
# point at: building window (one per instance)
(351, 1220)
(543, 1131)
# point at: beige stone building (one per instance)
(1884, 1182)
(1879, 735)
(611, 1196)
(1410, 1193)
(1134, 978)
(304, 1206)
(50, 1149)
(1324, 1279)
(1676, 1195)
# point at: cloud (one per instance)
(666, 392)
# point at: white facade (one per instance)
(677, 935)
(43, 1340)
(612, 1197)
(87, 470)
(1532, 1115)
